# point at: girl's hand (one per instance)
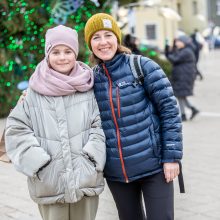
(22, 97)
(171, 171)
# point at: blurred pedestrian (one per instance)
(131, 43)
(54, 135)
(183, 73)
(197, 48)
(141, 124)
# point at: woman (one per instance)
(54, 135)
(183, 73)
(143, 132)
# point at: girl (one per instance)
(143, 132)
(54, 135)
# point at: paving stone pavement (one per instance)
(201, 163)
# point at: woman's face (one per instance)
(179, 44)
(104, 44)
(62, 59)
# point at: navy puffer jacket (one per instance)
(141, 123)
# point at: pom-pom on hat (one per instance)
(61, 35)
(98, 22)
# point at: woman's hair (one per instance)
(93, 59)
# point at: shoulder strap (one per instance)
(180, 178)
(135, 63)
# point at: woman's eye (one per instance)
(108, 35)
(95, 38)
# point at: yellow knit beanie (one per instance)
(98, 22)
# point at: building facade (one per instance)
(194, 15)
(213, 7)
(157, 21)
(153, 22)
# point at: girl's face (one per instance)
(62, 59)
(104, 44)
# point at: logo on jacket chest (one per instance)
(124, 84)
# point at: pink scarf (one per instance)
(47, 81)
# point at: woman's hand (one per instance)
(171, 171)
(22, 97)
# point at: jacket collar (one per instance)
(114, 62)
(115, 67)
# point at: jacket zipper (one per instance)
(118, 101)
(116, 125)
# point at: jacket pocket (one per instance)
(49, 182)
(118, 101)
(155, 144)
(88, 173)
(123, 88)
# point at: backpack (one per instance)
(135, 64)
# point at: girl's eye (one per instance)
(55, 52)
(69, 52)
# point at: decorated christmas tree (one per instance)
(22, 30)
(23, 25)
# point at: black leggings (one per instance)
(158, 198)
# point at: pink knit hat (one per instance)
(61, 35)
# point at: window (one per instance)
(151, 31)
(195, 8)
(218, 7)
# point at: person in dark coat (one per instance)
(130, 42)
(183, 73)
(196, 49)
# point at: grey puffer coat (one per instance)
(66, 131)
(184, 71)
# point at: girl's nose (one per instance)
(62, 56)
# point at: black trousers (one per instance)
(157, 194)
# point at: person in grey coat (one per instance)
(183, 73)
(54, 135)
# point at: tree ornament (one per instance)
(63, 8)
